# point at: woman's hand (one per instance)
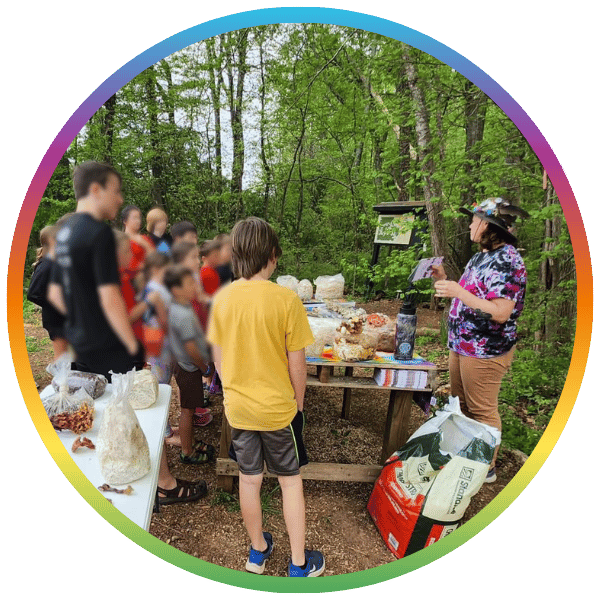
(438, 273)
(444, 288)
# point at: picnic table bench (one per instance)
(395, 430)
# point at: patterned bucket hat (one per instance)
(498, 212)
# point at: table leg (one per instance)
(323, 373)
(225, 482)
(396, 424)
(347, 395)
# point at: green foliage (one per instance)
(29, 310)
(330, 132)
(517, 435)
(537, 377)
(223, 498)
(34, 345)
(267, 499)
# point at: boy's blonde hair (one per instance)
(153, 217)
(47, 234)
(253, 243)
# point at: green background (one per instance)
(54, 56)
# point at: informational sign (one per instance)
(394, 229)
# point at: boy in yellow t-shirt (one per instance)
(258, 331)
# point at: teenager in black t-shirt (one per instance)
(85, 286)
(85, 280)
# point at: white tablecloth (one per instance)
(137, 506)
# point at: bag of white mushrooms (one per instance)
(122, 447)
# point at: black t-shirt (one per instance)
(38, 289)
(86, 259)
(225, 273)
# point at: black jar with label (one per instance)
(406, 327)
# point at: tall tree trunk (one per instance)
(153, 131)
(108, 127)
(263, 118)
(475, 111)
(215, 81)
(237, 59)
(555, 269)
(431, 187)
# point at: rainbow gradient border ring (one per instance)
(385, 28)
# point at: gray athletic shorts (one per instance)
(283, 450)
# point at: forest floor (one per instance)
(337, 521)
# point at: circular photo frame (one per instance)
(391, 30)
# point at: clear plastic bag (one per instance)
(121, 446)
(144, 392)
(66, 409)
(329, 287)
(288, 281)
(323, 330)
(305, 290)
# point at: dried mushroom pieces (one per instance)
(79, 421)
(82, 443)
(107, 488)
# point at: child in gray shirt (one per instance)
(189, 349)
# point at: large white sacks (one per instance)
(426, 486)
(122, 447)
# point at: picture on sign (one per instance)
(394, 229)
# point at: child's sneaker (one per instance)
(256, 560)
(201, 411)
(314, 566)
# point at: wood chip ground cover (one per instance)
(337, 521)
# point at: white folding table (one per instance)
(138, 505)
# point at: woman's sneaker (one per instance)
(491, 476)
(315, 565)
(256, 560)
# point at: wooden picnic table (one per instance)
(395, 431)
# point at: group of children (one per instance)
(109, 293)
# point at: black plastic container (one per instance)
(406, 327)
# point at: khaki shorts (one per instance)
(282, 450)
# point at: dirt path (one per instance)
(337, 521)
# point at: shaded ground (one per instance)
(337, 521)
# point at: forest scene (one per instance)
(310, 126)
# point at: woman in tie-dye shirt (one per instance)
(486, 302)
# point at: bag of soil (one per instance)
(425, 487)
(68, 409)
(122, 447)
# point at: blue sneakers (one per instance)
(256, 561)
(315, 565)
(491, 476)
